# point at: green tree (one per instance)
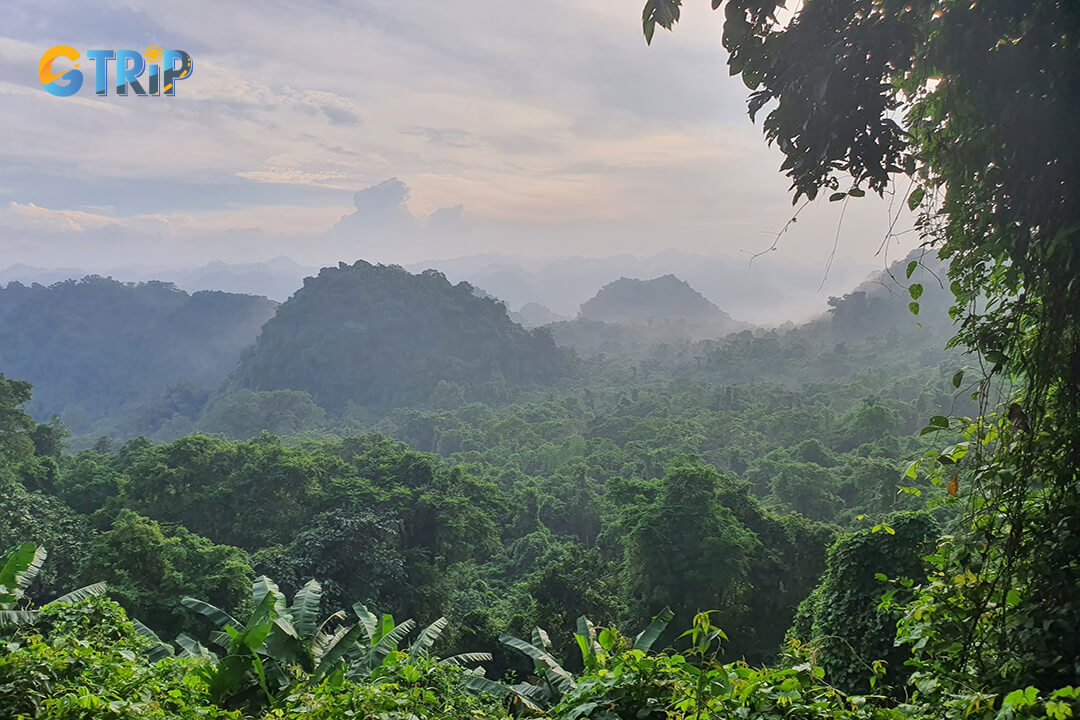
(684, 549)
(966, 108)
(149, 568)
(16, 442)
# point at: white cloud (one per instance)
(550, 121)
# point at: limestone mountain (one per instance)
(379, 337)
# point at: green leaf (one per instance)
(541, 658)
(157, 649)
(305, 608)
(216, 615)
(837, 196)
(914, 308)
(856, 192)
(915, 198)
(427, 637)
(341, 644)
(911, 267)
(264, 586)
(22, 565)
(469, 658)
(82, 593)
(915, 291)
(16, 618)
(191, 648)
(541, 639)
(606, 639)
(389, 642)
(367, 619)
(644, 640)
(957, 378)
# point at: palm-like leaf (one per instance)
(157, 649)
(15, 618)
(341, 644)
(82, 593)
(469, 658)
(367, 618)
(191, 648)
(541, 639)
(21, 566)
(545, 664)
(477, 683)
(645, 639)
(390, 639)
(264, 586)
(305, 609)
(586, 640)
(427, 638)
(216, 615)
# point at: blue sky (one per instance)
(394, 130)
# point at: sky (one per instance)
(397, 131)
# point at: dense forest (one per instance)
(97, 349)
(386, 499)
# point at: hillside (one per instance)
(629, 301)
(97, 347)
(379, 337)
(629, 316)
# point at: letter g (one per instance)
(50, 81)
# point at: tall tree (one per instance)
(968, 109)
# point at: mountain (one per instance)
(276, 279)
(628, 301)
(378, 337)
(771, 290)
(96, 348)
(629, 316)
(533, 315)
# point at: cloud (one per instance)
(530, 128)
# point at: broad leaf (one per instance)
(82, 593)
(427, 638)
(336, 650)
(645, 639)
(216, 615)
(305, 608)
(21, 566)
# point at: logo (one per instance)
(162, 68)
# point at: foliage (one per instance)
(281, 646)
(99, 348)
(552, 682)
(148, 568)
(843, 621)
(984, 91)
(378, 337)
(20, 566)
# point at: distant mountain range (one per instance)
(275, 279)
(363, 339)
(769, 292)
(96, 348)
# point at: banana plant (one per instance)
(553, 681)
(278, 634)
(21, 564)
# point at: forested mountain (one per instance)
(531, 315)
(628, 301)
(772, 290)
(98, 348)
(630, 316)
(372, 336)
